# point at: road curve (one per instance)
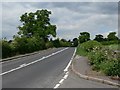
(44, 73)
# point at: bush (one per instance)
(49, 44)
(100, 57)
(6, 49)
(85, 48)
(111, 67)
(96, 58)
(91, 45)
(56, 43)
(27, 45)
(65, 44)
(110, 42)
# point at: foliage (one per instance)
(113, 46)
(99, 38)
(101, 57)
(49, 44)
(56, 43)
(90, 45)
(75, 42)
(111, 67)
(37, 25)
(6, 49)
(112, 36)
(84, 36)
(27, 45)
(110, 42)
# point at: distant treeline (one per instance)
(36, 34)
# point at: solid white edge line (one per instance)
(57, 85)
(61, 81)
(66, 69)
(65, 77)
(31, 63)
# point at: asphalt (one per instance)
(42, 74)
(73, 81)
(7, 65)
(45, 73)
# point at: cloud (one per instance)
(71, 18)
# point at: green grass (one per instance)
(114, 47)
(80, 51)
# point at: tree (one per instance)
(56, 43)
(99, 38)
(111, 36)
(75, 42)
(84, 36)
(37, 25)
(63, 40)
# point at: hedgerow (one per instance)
(100, 57)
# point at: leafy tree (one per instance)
(75, 42)
(84, 36)
(99, 38)
(63, 40)
(56, 43)
(112, 36)
(37, 25)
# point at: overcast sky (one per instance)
(71, 18)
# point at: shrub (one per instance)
(6, 49)
(49, 44)
(96, 58)
(91, 45)
(101, 57)
(111, 67)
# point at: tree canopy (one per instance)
(99, 38)
(112, 36)
(37, 24)
(84, 36)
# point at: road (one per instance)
(42, 74)
(42, 70)
(73, 81)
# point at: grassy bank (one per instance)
(114, 47)
(102, 58)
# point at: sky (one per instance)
(71, 18)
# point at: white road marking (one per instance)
(1, 62)
(65, 77)
(67, 73)
(10, 70)
(61, 81)
(66, 69)
(21, 66)
(57, 85)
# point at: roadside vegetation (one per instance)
(36, 33)
(102, 53)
